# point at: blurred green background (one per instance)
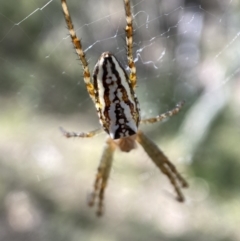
(183, 50)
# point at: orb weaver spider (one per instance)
(113, 93)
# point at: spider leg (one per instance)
(129, 42)
(164, 115)
(163, 164)
(78, 47)
(102, 176)
(81, 134)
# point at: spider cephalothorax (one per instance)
(113, 93)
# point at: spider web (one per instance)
(182, 50)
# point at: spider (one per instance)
(113, 93)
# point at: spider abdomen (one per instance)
(116, 102)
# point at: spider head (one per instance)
(126, 144)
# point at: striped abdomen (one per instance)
(115, 100)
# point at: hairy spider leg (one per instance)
(164, 115)
(102, 176)
(79, 50)
(162, 162)
(129, 42)
(69, 134)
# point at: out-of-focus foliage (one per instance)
(183, 50)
